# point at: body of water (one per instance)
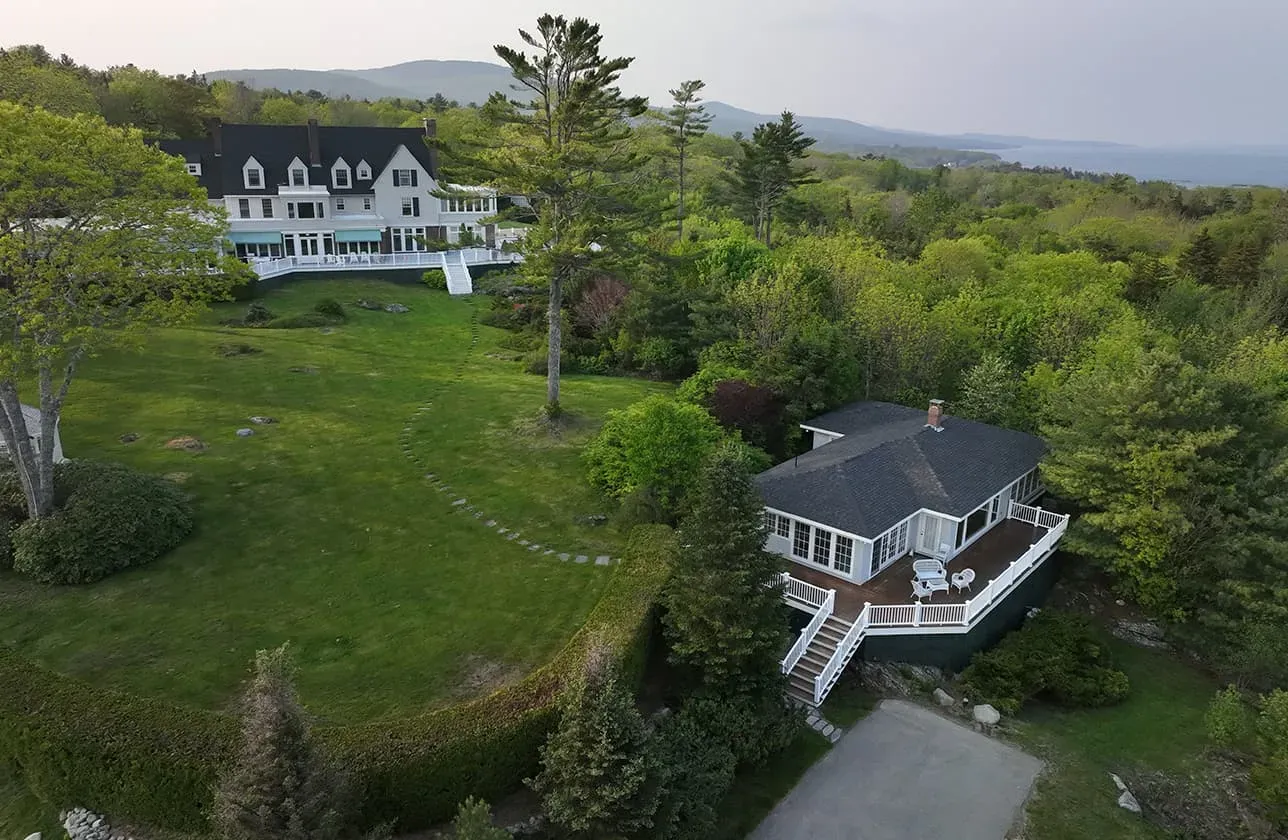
(1191, 167)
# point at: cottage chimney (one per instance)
(315, 145)
(935, 414)
(215, 127)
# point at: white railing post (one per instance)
(916, 615)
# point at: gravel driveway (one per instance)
(906, 773)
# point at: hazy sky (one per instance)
(1146, 71)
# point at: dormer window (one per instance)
(194, 169)
(299, 177)
(364, 171)
(340, 175)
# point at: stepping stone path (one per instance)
(405, 441)
(822, 726)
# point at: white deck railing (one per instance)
(360, 262)
(841, 656)
(911, 618)
(809, 631)
(795, 589)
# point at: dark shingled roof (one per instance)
(889, 465)
(275, 146)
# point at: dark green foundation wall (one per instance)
(402, 276)
(952, 651)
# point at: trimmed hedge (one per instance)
(147, 761)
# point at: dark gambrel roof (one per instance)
(275, 146)
(890, 464)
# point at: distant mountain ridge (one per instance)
(475, 81)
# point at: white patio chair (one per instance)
(927, 588)
(942, 554)
(926, 569)
(963, 579)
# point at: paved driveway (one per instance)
(905, 773)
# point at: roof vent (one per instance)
(935, 415)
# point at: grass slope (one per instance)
(1160, 726)
(318, 530)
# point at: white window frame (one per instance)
(193, 168)
(252, 167)
(266, 207)
(802, 535)
(411, 206)
(843, 556)
(339, 204)
(782, 526)
(366, 203)
(364, 171)
(403, 177)
(341, 168)
(821, 553)
(243, 208)
(303, 174)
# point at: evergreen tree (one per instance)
(725, 616)
(1201, 259)
(474, 822)
(280, 786)
(1240, 267)
(565, 149)
(767, 170)
(599, 772)
(699, 771)
(993, 393)
(685, 122)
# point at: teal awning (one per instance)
(357, 236)
(244, 238)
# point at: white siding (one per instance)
(389, 198)
(821, 438)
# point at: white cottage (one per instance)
(903, 522)
(31, 416)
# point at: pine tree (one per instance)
(767, 170)
(993, 393)
(566, 150)
(599, 776)
(685, 122)
(724, 613)
(280, 786)
(474, 822)
(1201, 259)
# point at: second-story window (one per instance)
(366, 204)
(298, 178)
(404, 177)
(339, 204)
(411, 206)
(243, 208)
(266, 204)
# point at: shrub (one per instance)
(330, 308)
(144, 760)
(660, 357)
(1056, 656)
(1228, 720)
(435, 278)
(699, 771)
(755, 727)
(257, 313)
(699, 387)
(657, 444)
(108, 517)
(304, 320)
(1269, 775)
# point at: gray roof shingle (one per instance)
(889, 465)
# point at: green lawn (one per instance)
(319, 530)
(1160, 726)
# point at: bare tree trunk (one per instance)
(679, 216)
(17, 439)
(555, 345)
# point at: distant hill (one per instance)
(464, 81)
(474, 81)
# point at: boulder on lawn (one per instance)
(396, 307)
(986, 717)
(128, 437)
(1126, 799)
(943, 698)
(261, 420)
(363, 303)
(245, 432)
(187, 443)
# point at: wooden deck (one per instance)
(988, 556)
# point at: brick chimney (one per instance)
(431, 130)
(215, 127)
(935, 414)
(315, 146)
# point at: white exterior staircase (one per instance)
(459, 281)
(819, 652)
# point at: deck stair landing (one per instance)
(800, 682)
